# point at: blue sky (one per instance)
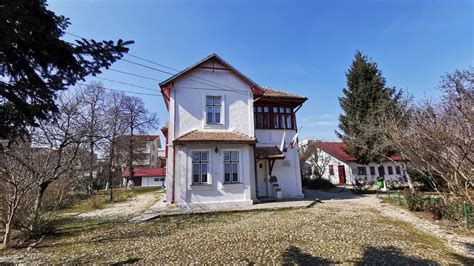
(300, 46)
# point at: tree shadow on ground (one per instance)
(294, 255)
(391, 256)
(125, 262)
(338, 193)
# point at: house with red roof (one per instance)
(341, 168)
(229, 141)
(146, 177)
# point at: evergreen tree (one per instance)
(365, 99)
(35, 63)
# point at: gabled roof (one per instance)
(137, 171)
(196, 136)
(336, 149)
(203, 61)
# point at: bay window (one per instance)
(274, 117)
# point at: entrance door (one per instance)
(342, 174)
(262, 183)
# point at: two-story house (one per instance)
(224, 136)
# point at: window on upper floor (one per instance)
(275, 117)
(213, 109)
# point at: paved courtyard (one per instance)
(347, 229)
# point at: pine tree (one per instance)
(36, 63)
(365, 99)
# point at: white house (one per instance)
(223, 135)
(341, 168)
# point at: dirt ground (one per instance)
(341, 229)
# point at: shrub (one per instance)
(96, 202)
(318, 183)
(435, 210)
(414, 199)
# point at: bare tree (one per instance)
(138, 120)
(312, 155)
(92, 118)
(438, 140)
(17, 175)
(60, 141)
(114, 127)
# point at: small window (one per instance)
(361, 170)
(200, 167)
(231, 167)
(331, 170)
(390, 170)
(213, 109)
(372, 170)
(398, 170)
(381, 171)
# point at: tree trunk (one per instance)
(409, 181)
(91, 165)
(8, 233)
(37, 205)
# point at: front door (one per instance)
(342, 174)
(262, 179)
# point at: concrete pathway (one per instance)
(162, 209)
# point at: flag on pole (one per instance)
(283, 142)
(294, 141)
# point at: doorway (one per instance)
(262, 178)
(342, 174)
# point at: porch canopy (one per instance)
(269, 153)
(212, 137)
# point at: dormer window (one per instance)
(213, 110)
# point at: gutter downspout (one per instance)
(255, 169)
(174, 166)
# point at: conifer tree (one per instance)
(365, 99)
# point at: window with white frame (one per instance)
(200, 167)
(361, 170)
(213, 109)
(231, 167)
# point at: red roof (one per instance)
(143, 138)
(336, 149)
(145, 172)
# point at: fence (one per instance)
(458, 213)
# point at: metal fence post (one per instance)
(467, 215)
(399, 198)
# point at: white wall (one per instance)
(191, 103)
(149, 181)
(216, 192)
(287, 171)
(335, 163)
(352, 171)
(372, 178)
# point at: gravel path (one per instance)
(125, 209)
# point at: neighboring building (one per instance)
(146, 150)
(147, 177)
(342, 168)
(223, 135)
